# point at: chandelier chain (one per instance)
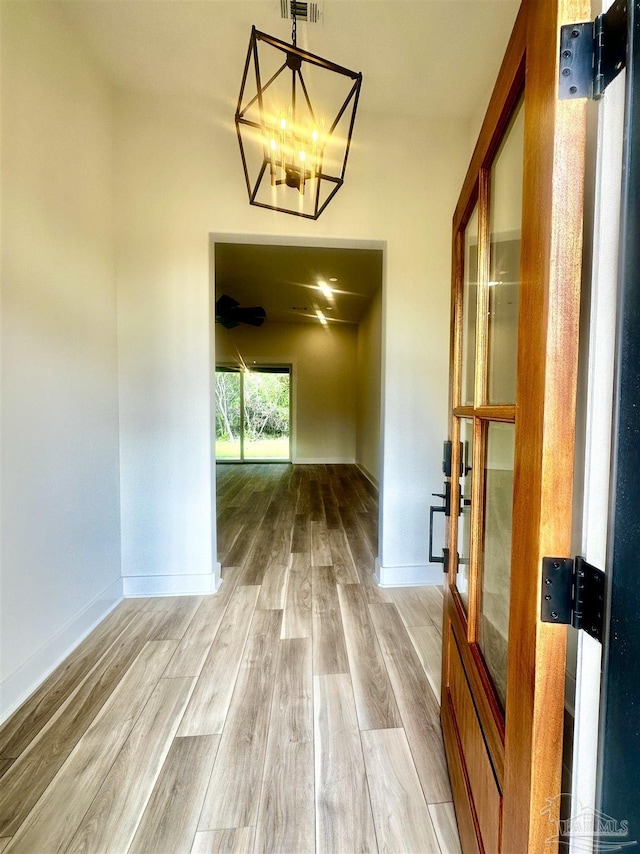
(294, 25)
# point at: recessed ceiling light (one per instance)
(321, 317)
(326, 290)
(333, 279)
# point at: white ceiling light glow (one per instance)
(326, 290)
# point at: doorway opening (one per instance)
(253, 413)
(322, 310)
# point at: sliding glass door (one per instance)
(228, 409)
(253, 413)
(267, 404)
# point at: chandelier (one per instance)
(294, 152)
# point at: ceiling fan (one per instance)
(230, 314)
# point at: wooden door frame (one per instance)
(545, 424)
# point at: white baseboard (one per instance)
(171, 585)
(17, 687)
(426, 575)
(372, 480)
(324, 461)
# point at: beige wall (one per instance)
(324, 381)
(60, 535)
(369, 380)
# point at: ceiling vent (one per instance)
(310, 12)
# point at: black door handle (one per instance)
(439, 508)
(432, 511)
(446, 497)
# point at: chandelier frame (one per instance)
(296, 177)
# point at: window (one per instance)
(253, 413)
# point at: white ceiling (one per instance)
(419, 57)
(433, 58)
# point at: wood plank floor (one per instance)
(294, 711)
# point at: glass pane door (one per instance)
(502, 301)
(469, 310)
(266, 415)
(485, 396)
(493, 624)
(515, 325)
(253, 413)
(505, 223)
(228, 414)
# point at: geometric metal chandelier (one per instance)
(294, 122)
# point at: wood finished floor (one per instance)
(295, 711)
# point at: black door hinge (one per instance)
(573, 594)
(593, 54)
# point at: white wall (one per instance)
(60, 517)
(324, 381)
(162, 190)
(369, 380)
(180, 178)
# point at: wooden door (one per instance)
(515, 306)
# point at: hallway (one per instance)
(296, 710)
